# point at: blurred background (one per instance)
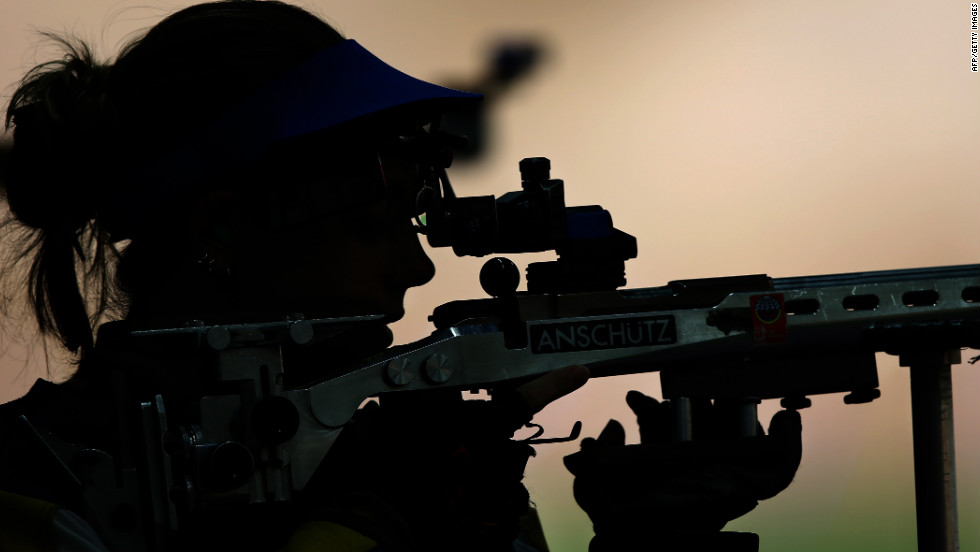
(789, 138)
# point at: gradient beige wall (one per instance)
(730, 137)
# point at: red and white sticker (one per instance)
(768, 318)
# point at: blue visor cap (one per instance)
(339, 84)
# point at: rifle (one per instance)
(747, 338)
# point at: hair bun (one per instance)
(59, 117)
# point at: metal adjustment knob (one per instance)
(229, 465)
(398, 372)
(218, 338)
(301, 331)
(534, 171)
(500, 277)
(438, 368)
(275, 420)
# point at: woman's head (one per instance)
(161, 148)
(81, 127)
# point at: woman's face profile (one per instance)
(337, 237)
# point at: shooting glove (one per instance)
(679, 495)
(428, 474)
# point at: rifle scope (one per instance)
(591, 251)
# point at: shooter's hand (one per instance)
(675, 492)
(433, 472)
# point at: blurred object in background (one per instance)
(509, 61)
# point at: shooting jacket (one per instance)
(44, 434)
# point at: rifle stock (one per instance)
(752, 336)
